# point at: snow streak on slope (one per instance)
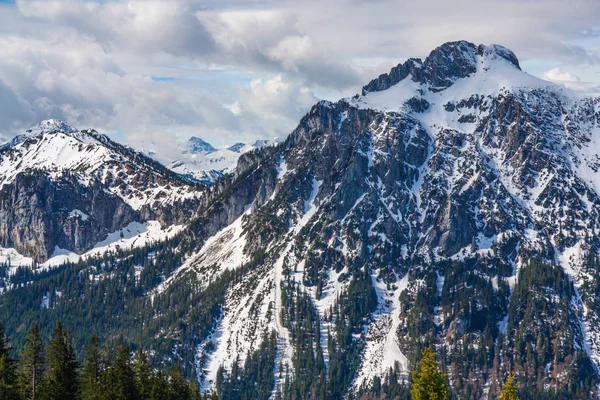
(382, 351)
(221, 252)
(571, 260)
(285, 351)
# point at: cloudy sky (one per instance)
(148, 72)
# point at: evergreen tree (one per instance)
(509, 390)
(92, 371)
(32, 363)
(428, 383)
(194, 390)
(178, 386)
(160, 387)
(8, 372)
(62, 374)
(143, 374)
(119, 379)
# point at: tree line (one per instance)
(52, 372)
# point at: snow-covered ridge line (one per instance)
(57, 149)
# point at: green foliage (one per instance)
(92, 370)
(389, 387)
(61, 376)
(143, 374)
(116, 377)
(351, 313)
(119, 379)
(32, 365)
(110, 293)
(544, 293)
(509, 390)
(302, 320)
(8, 370)
(428, 383)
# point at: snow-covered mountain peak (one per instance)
(461, 58)
(454, 72)
(58, 149)
(495, 50)
(195, 145)
(236, 147)
(42, 128)
(49, 126)
(446, 65)
(209, 164)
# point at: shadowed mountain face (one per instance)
(453, 204)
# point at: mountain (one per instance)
(236, 147)
(196, 145)
(201, 162)
(454, 203)
(66, 190)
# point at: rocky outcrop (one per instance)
(38, 215)
(68, 189)
(443, 66)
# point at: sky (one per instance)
(151, 73)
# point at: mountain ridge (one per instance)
(46, 174)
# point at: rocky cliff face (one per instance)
(39, 214)
(65, 189)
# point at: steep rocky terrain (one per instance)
(447, 180)
(64, 189)
(454, 203)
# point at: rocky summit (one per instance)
(453, 204)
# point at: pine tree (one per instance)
(62, 374)
(144, 378)
(509, 390)
(160, 389)
(178, 386)
(92, 371)
(32, 362)
(195, 390)
(428, 383)
(8, 372)
(119, 379)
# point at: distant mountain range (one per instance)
(202, 162)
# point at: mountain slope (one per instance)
(464, 169)
(66, 189)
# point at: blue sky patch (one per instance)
(163, 78)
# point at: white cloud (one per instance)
(557, 75)
(241, 71)
(571, 81)
(145, 26)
